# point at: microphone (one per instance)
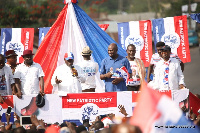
(73, 68)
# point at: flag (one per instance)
(173, 31)
(139, 34)
(195, 17)
(71, 32)
(42, 33)
(103, 26)
(8, 101)
(157, 113)
(18, 39)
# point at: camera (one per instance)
(25, 120)
(9, 110)
(102, 116)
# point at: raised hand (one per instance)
(19, 94)
(57, 80)
(122, 110)
(1, 100)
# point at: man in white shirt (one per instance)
(137, 67)
(6, 78)
(29, 76)
(11, 58)
(168, 73)
(90, 68)
(157, 57)
(67, 78)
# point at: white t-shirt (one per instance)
(135, 75)
(29, 77)
(90, 69)
(5, 86)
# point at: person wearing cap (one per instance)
(109, 67)
(90, 68)
(29, 76)
(6, 78)
(157, 57)
(168, 73)
(11, 58)
(67, 78)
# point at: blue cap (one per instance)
(69, 55)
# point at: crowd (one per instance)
(119, 73)
(102, 124)
(97, 126)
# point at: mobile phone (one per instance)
(9, 110)
(25, 120)
(102, 116)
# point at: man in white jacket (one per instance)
(168, 73)
(67, 78)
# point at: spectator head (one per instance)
(52, 129)
(131, 50)
(86, 123)
(98, 125)
(63, 125)
(166, 51)
(64, 130)
(56, 123)
(112, 50)
(28, 57)
(159, 46)
(125, 128)
(19, 130)
(86, 52)
(11, 57)
(2, 61)
(81, 129)
(69, 58)
(17, 123)
(31, 131)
